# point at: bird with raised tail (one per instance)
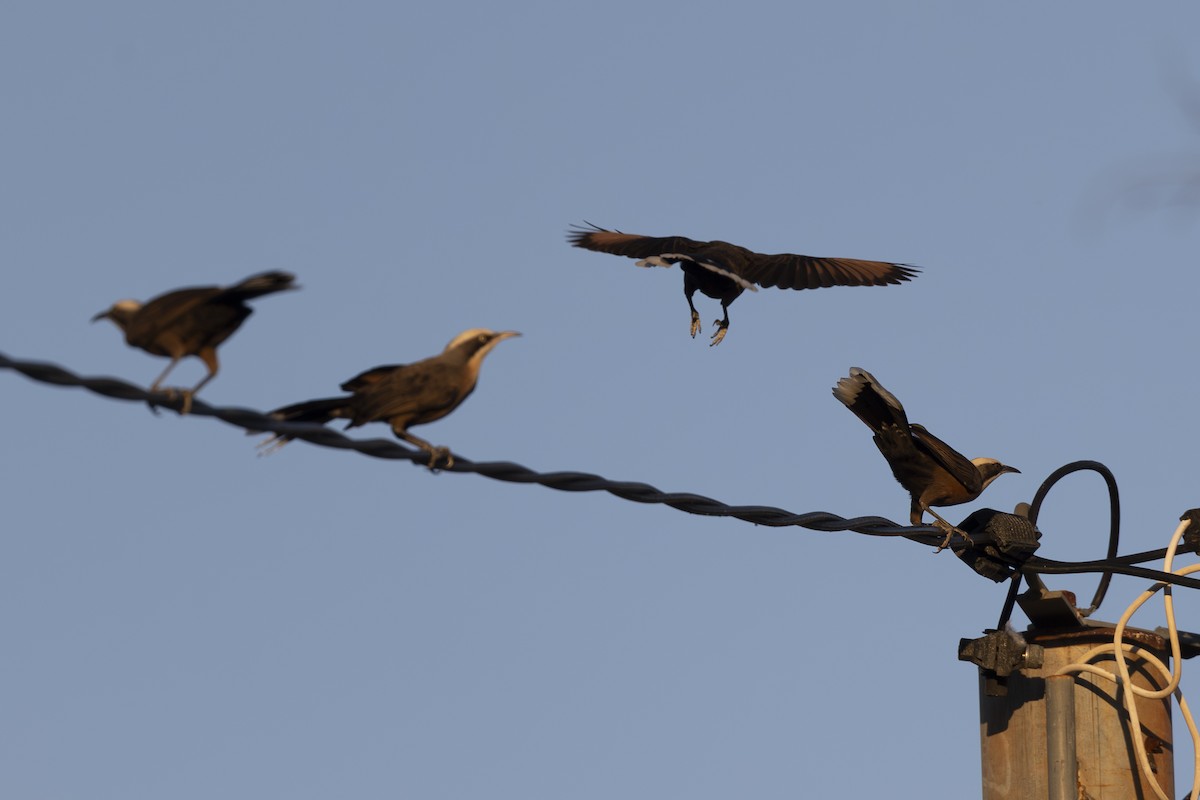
(191, 322)
(933, 473)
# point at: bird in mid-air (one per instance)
(723, 271)
(403, 395)
(934, 473)
(192, 322)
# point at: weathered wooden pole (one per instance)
(1045, 736)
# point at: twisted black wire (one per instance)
(254, 421)
(251, 420)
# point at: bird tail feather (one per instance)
(870, 402)
(263, 283)
(317, 412)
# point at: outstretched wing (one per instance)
(785, 270)
(670, 248)
(662, 251)
(790, 271)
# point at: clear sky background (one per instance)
(183, 619)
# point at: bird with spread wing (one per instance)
(723, 271)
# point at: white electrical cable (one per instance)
(1129, 692)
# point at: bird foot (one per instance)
(437, 454)
(950, 532)
(696, 326)
(719, 336)
(172, 395)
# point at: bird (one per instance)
(403, 395)
(723, 271)
(933, 472)
(191, 322)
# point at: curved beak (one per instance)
(102, 315)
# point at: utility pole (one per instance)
(1046, 733)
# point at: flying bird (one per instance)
(191, 322)
(403, 395)
(723, 271)
(934, 473)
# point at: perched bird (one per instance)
(723, 271)
(191, 322)
(403, 395)
(934, 473)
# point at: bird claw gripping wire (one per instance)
(440, 454)
(950, 531)
(943, 524)
(181, 396)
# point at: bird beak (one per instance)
(1009, 469)
(102, 315)
(506, 335)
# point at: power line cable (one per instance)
(568, 481)
(254, 421)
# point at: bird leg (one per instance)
(188, 394)
(722, 327)
(185, 395)
(941, 523)
(695, 314)
(170, 393)
(209, 356)
(435, 453)
(157, 381)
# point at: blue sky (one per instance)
(186, 620)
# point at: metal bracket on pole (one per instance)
(1000, 654)
(1050, 611)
